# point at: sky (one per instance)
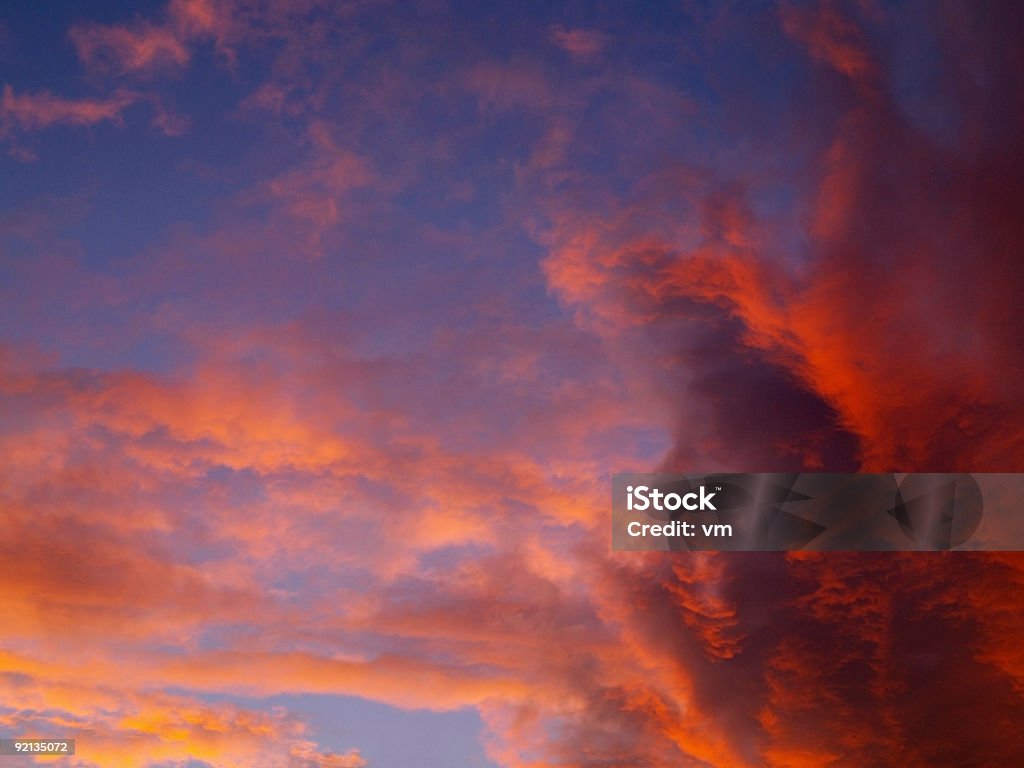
(323, 326)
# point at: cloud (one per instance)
(579, 43)
(124, 727)
(907, 358)
(34, 111)
(149, 48)
(29, 113)
(869, 345)
(123, 50)
(373, 462)
(831, 37)
(348, 760)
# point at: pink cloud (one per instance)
(149, 48)
(579, 43)
(33, 111)
(831, 37)
(144, 47)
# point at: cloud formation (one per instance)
(146, 48)
(332, 411)
(908, 358)
(29, 111)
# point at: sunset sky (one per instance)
(324, 324)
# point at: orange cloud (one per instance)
(911, 359)
(124, 727)
(426, 527)
(92, 492)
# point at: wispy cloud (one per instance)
(41, 109)
(579, 43)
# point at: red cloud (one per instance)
(830, 37)
(899, 318)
